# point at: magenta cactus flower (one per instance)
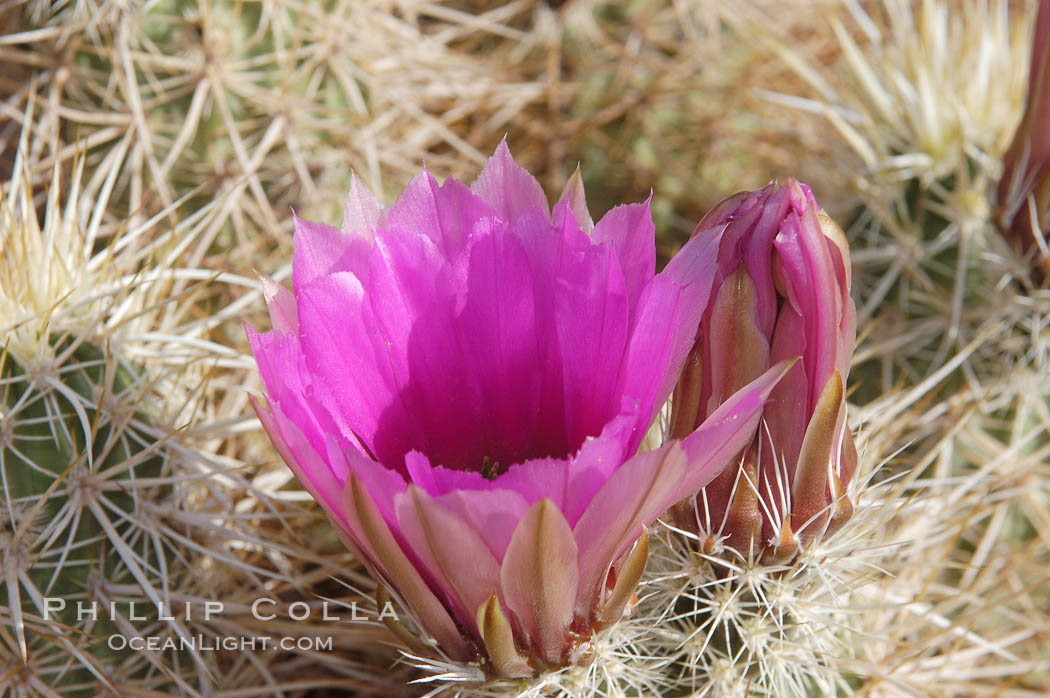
(781, 291)
(463, 382)
(1023, 194)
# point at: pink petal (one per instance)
(574, 198)
(447, 214)
(497, 330)
(539, 578)
(366, 525)
(633, 497)
(664, 328)
(436, 480)
(493, 514)
(382, 483)
(645, 486)
(287, 383)
(591, 312)
(351, 368)
(312, 471)
(281, 304)
(629, 229)
(548, 249)
(595, 463)
(729, 429)
(413, 298)
(540, 478)
(456, 556)
(362, 214)
(507, 187)
(811, 288)
(321, 249)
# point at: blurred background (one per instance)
(151, 155)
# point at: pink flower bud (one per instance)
(781, 292)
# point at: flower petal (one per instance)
(630, 230)
(364, 520)
(497, 330)
(729, 428)
(539, 578)
(507, 187)
(645, 486)
(362, 214)
(591, 310)
(456, 556)
(446, 213)
(280, 361)
(631, 499)
(664, 328)
(321, 249)
(493, 514)
(302, 458)
(352, 371)
(281, 304)
(575, 199)
(413, 299)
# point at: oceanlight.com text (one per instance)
(202, 643)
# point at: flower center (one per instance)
(490, 469)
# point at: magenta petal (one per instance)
(630, 230)
(591, 313)
(665, 327)
(633, 497)
(281, 304)
(413, 299)
(493, 514)
(507, 187)
(280, 362)
(449, 548)
(447, 213)
(352, 371)
(650, 482)
(362, 214)
(302, 459)
(595, 463)
(497, 329)
(436, 480)
(548, 249)
(540, 478)
(321, 249)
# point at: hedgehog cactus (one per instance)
(80, 459)
(93, 475)
(76, 464)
